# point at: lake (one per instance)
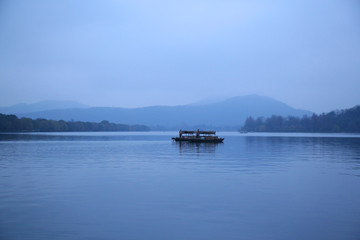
(142, 185)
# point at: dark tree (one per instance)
(11, 123)
(333, 122)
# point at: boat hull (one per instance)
(199, 140)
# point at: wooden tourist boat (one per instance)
(198, 137)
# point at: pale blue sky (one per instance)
(139, 53)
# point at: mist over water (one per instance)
(144, 186)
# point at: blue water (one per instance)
(144, 186)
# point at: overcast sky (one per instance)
(161, 52)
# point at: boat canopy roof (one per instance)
(200, 132)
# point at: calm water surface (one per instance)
(144, 186)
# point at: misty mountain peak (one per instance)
(41, 106)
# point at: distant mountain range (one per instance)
(228, 114)
(41, 106)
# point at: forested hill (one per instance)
(347, 121)
(11, 123)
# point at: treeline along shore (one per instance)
(340, 121)
(11, 123)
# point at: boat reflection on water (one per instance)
(197, 148)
